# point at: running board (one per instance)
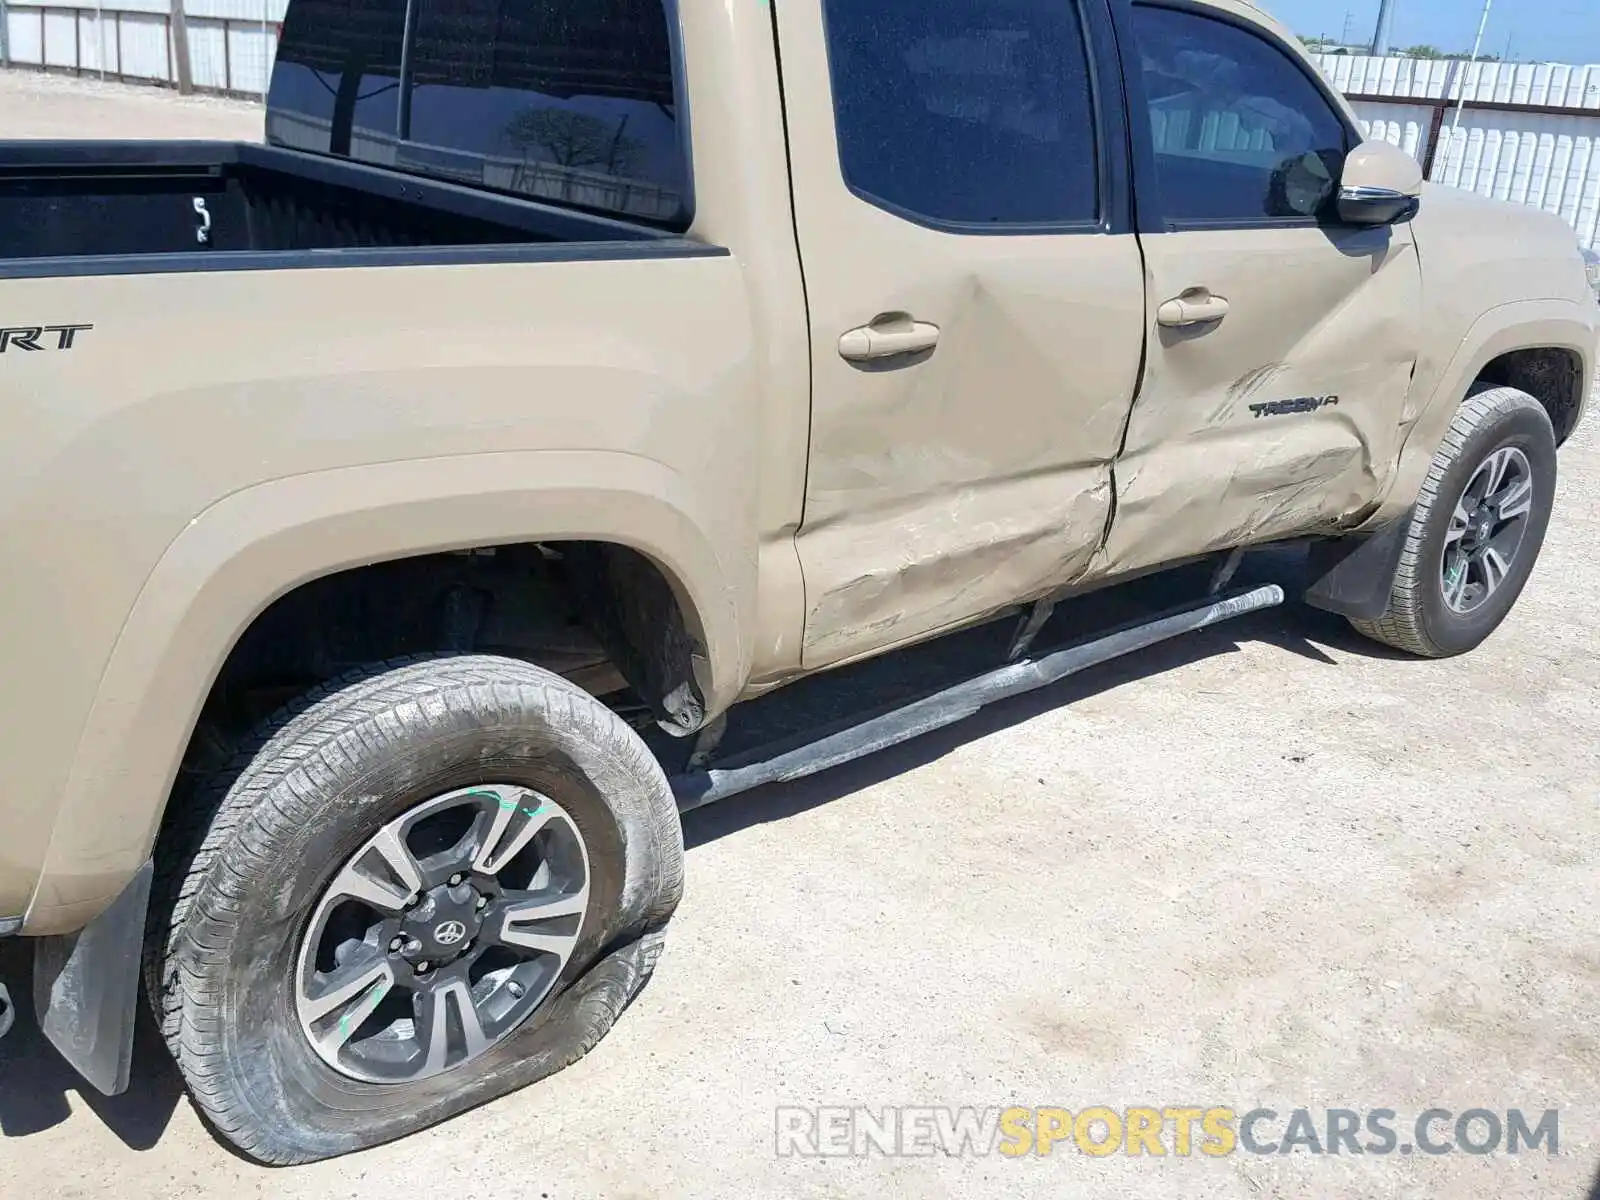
(753, 769)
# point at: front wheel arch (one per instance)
(1451, 525)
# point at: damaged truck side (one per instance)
(576, 409)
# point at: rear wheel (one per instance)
(1476, 530)
(421, 888)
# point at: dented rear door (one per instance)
(976, 305)
(1280, 348)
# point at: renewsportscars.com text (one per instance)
(1182, 1130)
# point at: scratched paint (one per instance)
(944, 491)
(352, 1018)
(1281, 419)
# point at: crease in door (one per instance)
(926, 563)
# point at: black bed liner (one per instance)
(121, 207)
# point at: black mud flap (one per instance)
(86, 988)
(1352, 575)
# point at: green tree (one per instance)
(1423, 51)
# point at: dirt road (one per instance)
(1269, 867)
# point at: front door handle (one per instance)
(1194, 307)
(888, 336)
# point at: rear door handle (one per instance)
(1195, 307)
(887, 337)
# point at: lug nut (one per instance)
(516, 989)
(413, 946)
(483, 902)
(422, 967)
(455, 880)
(395, 944)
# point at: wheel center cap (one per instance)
(441, 925)
(1480, 525)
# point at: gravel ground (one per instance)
(35, 105)
(1267, 866)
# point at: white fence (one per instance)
(231, 42)
(1528, 133)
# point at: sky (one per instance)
(1539, 30)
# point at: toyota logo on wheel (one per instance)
(448, 933)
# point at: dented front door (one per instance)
(1281, 416)
(1280, 343)
(976, 327)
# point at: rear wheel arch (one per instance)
(319, 780)
(249, 552)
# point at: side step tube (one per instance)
(697, 788)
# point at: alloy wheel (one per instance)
(442, 934)
(1487, 528)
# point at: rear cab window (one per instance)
(575, 102)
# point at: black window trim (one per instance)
(1149, 213)
(680, 112)
(1108, 106)
(680, 223)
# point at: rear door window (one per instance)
(966, 112)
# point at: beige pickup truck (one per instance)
(578, 411)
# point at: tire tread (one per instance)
(1401, 624)
(218, 846)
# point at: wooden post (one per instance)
(1452, 78)
(179, 24)
(1435, 132)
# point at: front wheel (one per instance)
(422, 887)
(1476, 530)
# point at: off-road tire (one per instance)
(1417, 619)
(315, 782)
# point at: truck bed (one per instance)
(113, 207)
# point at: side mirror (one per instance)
(1380, 185)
